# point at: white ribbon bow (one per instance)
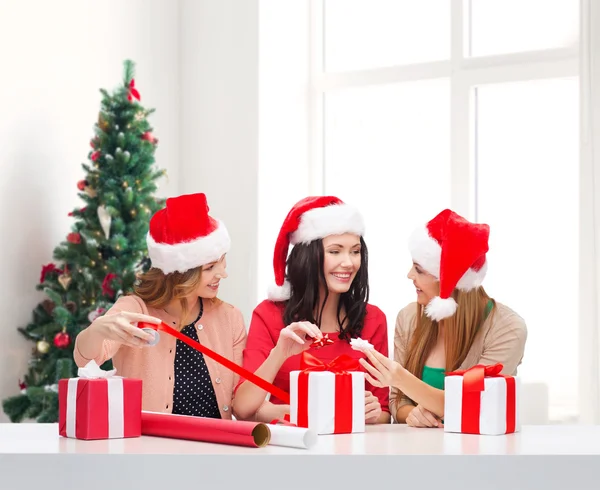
(93, 371)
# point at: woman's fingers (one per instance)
(133, 335)
(315, 331)
(427, 415)
(290, 334)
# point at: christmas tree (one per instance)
(101, 256)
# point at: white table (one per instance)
(393, 456)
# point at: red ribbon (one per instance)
(343, 389)
(473, 385)
(133, 92)
(261, 383)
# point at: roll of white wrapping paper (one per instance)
(290, 436)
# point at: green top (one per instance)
(435, 376)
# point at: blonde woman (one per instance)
(453, 325)
(187, 248)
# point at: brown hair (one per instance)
(158, 289)
(460, 331)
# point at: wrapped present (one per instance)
(480, 400)
(99, 405)
(328, 398)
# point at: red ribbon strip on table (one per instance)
(340, 366)
(473, 385)
(244, 373)
(133, 92)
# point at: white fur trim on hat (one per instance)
(335, 219)
(438, 309)
(472, 278)
(185, 256)
(425, 251)
(280, 293)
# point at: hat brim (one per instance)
(181, 257)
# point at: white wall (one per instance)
(284, 138)
(54, 56)
(219, 128)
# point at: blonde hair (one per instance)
(459, 334)
(158, 289)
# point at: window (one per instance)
(416, 106)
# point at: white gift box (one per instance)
(319, 401)
(487, 406)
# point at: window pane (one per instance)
(528, 186)
(511, 26)
(387, 151)
(363, 34)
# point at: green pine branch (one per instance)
(120, 175)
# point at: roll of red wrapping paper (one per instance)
(231, 432)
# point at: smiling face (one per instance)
(341, 261)
(426, 284)
(211, 276)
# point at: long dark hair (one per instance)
(305, 275)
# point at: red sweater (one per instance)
(267, 323)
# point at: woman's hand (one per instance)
(421, 417)
(372, 408)
(296, 338)
(121, 327)
(382, 372)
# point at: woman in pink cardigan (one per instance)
(187, 248)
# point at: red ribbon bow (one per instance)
(340, 365)
(323, 341)
(473, 385)
(473, 378)
(133, 92)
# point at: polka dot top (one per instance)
(193, 393)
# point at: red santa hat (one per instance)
(183, 236)
(453, 250)
(310, 219)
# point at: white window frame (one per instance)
(465, 74)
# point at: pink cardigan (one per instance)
(221, 329)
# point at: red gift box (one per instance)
(104, 408)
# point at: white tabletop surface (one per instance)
(538, 457)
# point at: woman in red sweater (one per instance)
(324, 292)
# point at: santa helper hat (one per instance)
(183, 236)
(453, 250)
(310, 219)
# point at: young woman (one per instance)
(187, 248)
(453, 325)
(324, 292)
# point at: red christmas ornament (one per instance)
(132, 91)
(148, 136)
(82, 184)
(47, 269)
(107, 290)
(22, 385)
(80, 211)
(74, 238)
(94, 156)
(62, 340)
